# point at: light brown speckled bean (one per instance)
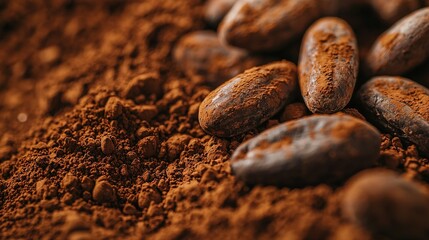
(328, 65)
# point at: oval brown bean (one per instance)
(203, 59)
(328, 65)
(393, 10)
(307, 151)
(399, 105)
(384, 203)
(215, 10)
(249, 99)
(270, 25)
(402, 47)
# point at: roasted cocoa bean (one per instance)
(215, 10)
(384, 203)
(402, 47)
(307, 151)
(203, 59)
(399, 105)
(270, 25)
(249, 99)
(393, 10)
(293, 111)
(328, 65)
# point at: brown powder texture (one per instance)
(99, 135)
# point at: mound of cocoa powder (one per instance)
(99, 133)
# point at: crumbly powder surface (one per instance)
(99, 135)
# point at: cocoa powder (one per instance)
(62, 62)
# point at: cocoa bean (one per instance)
(270, 25)
(384, 203)
(308, 151)
(249, 99)
(402, 47)
(204, 59)
(328, 65)
(400, 106)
